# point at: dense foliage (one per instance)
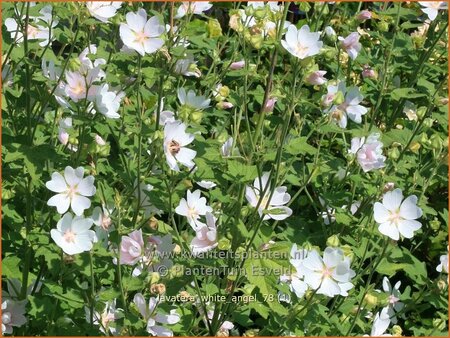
(224, 168)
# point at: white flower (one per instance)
(331, 275)
(350, 108)
(206, 236)
(79, 86)
(351, 44)
(395, 217)
(152, 317)
(108, 102)
(227, 148)
(35, 31)
(102, 220)
(295, 280)
(329, 216)
(368, 152)
(103, 10)
(72, 190)
(380, 324)
(193, 207)
(106, 318)
(73, 234)
(192, 7)
(443, 266)
(271, 208)
(141, 35)
(394, 305)
(175, 141)
(316, 78)
(432, 7)
(187, 67)
(302, 43)
(13, 314)
(190, 99)
(206, 184)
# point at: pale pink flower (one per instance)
(351, 44)
(302, 42)
(131, 248)
(206, 236)
(316, 78)
(192, 7)
(270, 105)
(140, 34)
(364, 15)
(431, 8)
(237, 65)
(103, 10)
(369, 153)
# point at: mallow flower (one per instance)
(35, 30)
(380, 324)
(73, 234)
(396, 216)
(330, 275)
(393, 302)
(443, 266)
(131, 248)
(302, 43)
(140, 34)
(351, 44)
(270, 206)
(72, 190)
(108, 102)
(192, 7)
(175, 141)
(296, 279)
(102, 220)
(206, 236)
(369, 153)
(431, 8)
(192, 207)
(153, 317)
(349, 108)
(13, 315)
(103, 10)
(106, 319)
(190, 99)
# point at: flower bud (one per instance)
(224, 105)
(185, 297)
(439, 324)
(414, 146)
(153, 223)
(371, 300)
(364, 15)
(224, 244)
(329, 32)
(269, 105)
(442, 285)
(316, 78)
(436, 141)
(333, 241)
(347, 249)
(368, 72)
(177, 249)
(388, 187)
(397, 331)
(214, 28)
(237, 65)
(158, 289)
(393, 153)
(74, 64)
